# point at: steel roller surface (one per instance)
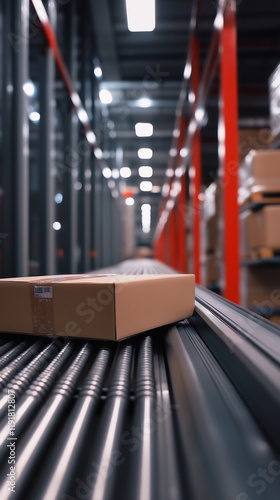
(184, 411)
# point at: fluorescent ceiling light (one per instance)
(58, 198)
(165, 190)
(107, 172)
(98, 72)
(34, 116)
(146, 186)
(199, 114)
(56, 225)
(179, 171)
(145, 171)
(191, 96)
(219, 21)
(145, 153)
(29, 88)
(98, 153)
(146, 217)
(115, 173)
(115, 193)
(144, 129)
(184, 152)
(144, 102)
(91, 137)
(125, 172)
(82, 115)
(78, 185)
(105, 96)
(170, 204)
(129, 201)
(141, 15)
(111, 184)
(169, 172)
(187, 71)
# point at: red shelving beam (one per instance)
(230, 162)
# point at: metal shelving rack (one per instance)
(47, 45)
(222, 60)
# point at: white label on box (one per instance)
(43, 292)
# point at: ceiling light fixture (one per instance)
(144, 129)
(105, 96)
(146, 186)
(115, 173)
(173, 152)
(169, 172)
(34, 116)
(146, 217)
(187, 71)
(125, 172)
(144, 102)
(145, 171)
(29, 88)
(165, 190)
(145, 153)
(141, 15)
(107, 173)
(98, 72)
(129, 201)
(184, 152)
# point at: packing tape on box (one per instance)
(42, 308)
(41, 294)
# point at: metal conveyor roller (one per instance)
(185, 411)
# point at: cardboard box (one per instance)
(212, 233)
(259, 229)
(212, 270)
(260, 171)
(275, 318)
(260, 287)
(263, 227)
(251, 138)
(90, 306)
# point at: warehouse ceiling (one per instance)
(150, 65)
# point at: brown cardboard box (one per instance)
(261, 287)
(261, 170)
(252, 139)
(263, 227)
(211, 215)
(91, 306)
(211, 275)
(211, 239)
(275, 318)
(259, 229)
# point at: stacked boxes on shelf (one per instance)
(211, 221)
(259, 197)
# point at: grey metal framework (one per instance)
(189, 410)
(48, 171)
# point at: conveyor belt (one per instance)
(190, 411)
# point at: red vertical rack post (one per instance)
(181, 208)
(196, 163)
(229, 110)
